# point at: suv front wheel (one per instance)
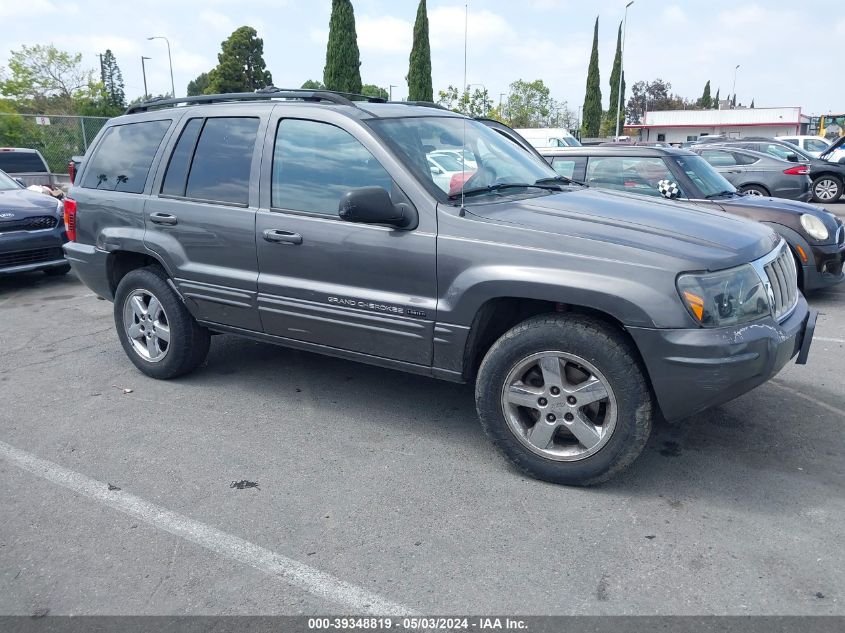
(563, 397)
(157, 332)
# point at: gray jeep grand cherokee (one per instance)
(314, 221)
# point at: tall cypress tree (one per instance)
(592, 98)
(718, 100)
(112, 81)
(614, 88)
(706, 102)
(343, 62)
(419, 71)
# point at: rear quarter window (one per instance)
(22, 163)
(122, 159)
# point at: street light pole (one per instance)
(621, 67)
(392, 86)
(170, 59)
(733, 102)
(144, 72)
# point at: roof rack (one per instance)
(270, 92)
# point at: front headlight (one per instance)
(727, 297)
(814, 227)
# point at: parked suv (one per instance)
(306, 219)
(815, 237)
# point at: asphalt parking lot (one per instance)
(375, 485)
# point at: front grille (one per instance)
(783, 278)
(21, 258)
(37, 223)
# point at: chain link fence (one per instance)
(57, 137)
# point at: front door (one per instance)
(202, 222)
(357, 287)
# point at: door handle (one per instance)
(163, 218)
(282, 237)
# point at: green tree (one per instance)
(199, 86)
(112, 80)
(752, 104)
(313, 85)
(241, 66)
(371, 90)
(46, 80)
(343, 62)
(529, 104)
(419, 69)
(592, 98)
(705, 102)
(718, 99)
(609, 126)
(475, 103)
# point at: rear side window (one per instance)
(719, 158)
(314, 164)
(21, 163)
(122, 159)
(223, 159)
(744, 159)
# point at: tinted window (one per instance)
(744, 159)
(21, 162)
(180, 160)
(222, 161)
(631, 174)
(122, 159)
(564, 166)
(315, 164)
(708, 180)
(718, 158)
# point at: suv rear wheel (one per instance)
(562, 396)
(157, 332)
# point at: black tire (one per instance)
(828, 186)
(754, 190)
(189, 342)
(57, 271)
(607, 350)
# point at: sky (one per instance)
(685, 42)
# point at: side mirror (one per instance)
(792, 158)
(436, 170)
(372, 205)
(669, 189)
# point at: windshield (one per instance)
(7, 183)
(702, 174)
(490, 159)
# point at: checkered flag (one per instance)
(669, 189)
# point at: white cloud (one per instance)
(218, 22)
(384, 34)
(484, 28)
(674, 15)
(35, 9)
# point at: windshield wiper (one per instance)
(504, 185)
(719, 193)
(562, 179)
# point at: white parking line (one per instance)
(828, 340)
(815, 401)
(293, 572)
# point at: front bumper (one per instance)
(694, 369)
(25, 251)
(826, 267)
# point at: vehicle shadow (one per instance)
(743, 451)
(11, 284)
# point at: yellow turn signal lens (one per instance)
(802, 253)
(696, 304)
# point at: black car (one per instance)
(828, 178)
(32, 230)
(816, 237)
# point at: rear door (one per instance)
(357, 287)
(201, 218)
(727, 164)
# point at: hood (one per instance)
(780, 210)
(16, 204)
(708, 240)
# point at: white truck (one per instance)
(549, 137)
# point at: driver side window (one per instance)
(632, 174)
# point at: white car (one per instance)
(812, 145)
(447, 170)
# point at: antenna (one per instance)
(464, 143)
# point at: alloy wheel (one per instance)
(559, 406)
(146, 325)
(826, 189)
